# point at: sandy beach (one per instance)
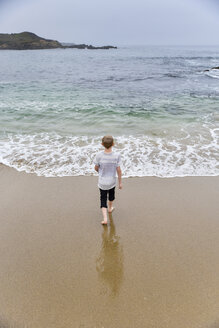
(156, 264)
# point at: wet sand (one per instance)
(155, 265)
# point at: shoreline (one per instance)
(95, 175)
(154, 265)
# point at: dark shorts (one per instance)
(103, 196)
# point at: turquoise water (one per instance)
(158, 102)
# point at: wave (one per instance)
(213, 73)
(172, 75)
(52, 155)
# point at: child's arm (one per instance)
(96, 162)
(119, 172)
(96, 168)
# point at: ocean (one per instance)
(159, 103)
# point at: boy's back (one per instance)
(107, 162)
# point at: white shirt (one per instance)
(107, 162)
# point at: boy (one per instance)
(107, 163)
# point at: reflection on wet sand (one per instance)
(109, 263)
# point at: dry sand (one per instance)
(155, 265)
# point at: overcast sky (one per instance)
(119, 22)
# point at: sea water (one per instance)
(159, 103)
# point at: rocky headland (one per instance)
(28, 40)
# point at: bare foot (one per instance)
(110, 210)
(103, 222)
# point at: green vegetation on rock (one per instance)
(26, 40)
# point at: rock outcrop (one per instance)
(207, 70)
(86, 46)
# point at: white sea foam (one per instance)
(53, 155)
(214, 73)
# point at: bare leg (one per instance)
(104, 211)
(110, 208)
